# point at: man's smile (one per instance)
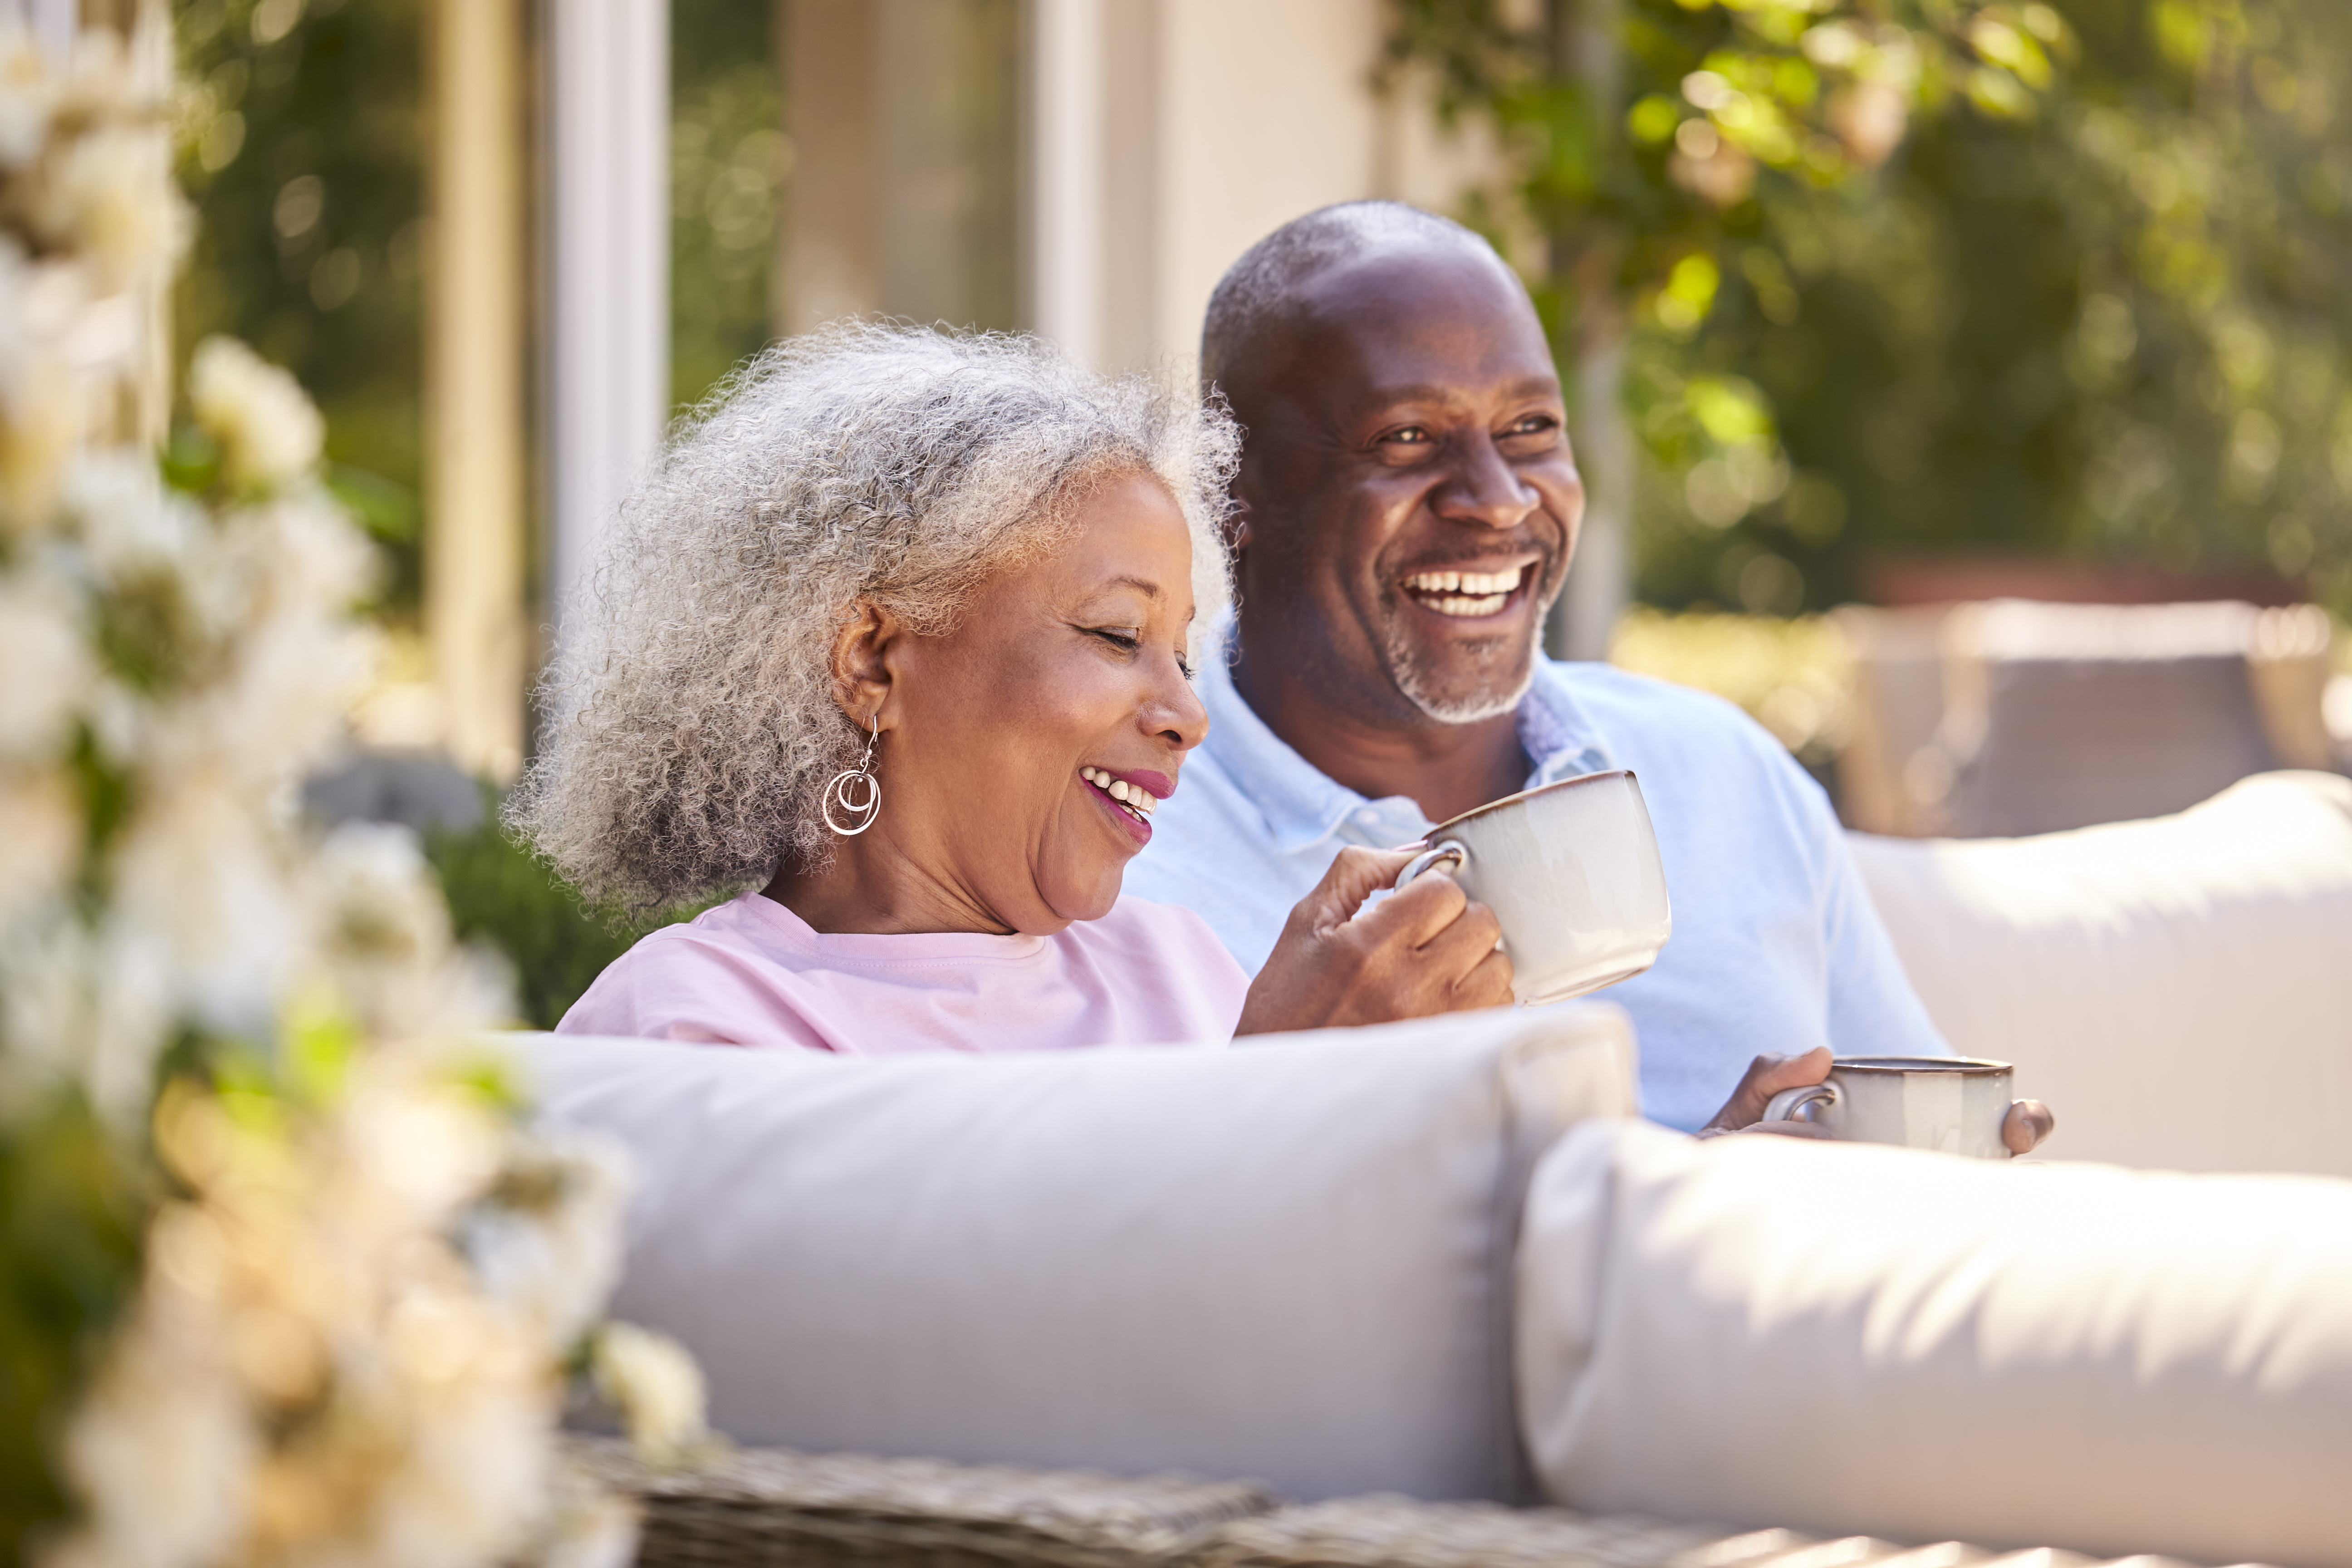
(1466, 596)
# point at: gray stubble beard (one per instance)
(1405, 670)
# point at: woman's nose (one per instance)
(1175, 713)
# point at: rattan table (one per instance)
(756, 1508)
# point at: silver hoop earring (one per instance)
(856, 792)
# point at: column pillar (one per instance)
(475, 329)
(1066, 176)
(607, 267)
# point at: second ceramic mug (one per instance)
(1955, 1104)
(1571, 871)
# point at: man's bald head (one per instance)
(1260, 294)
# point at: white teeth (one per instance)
(1485, 606)
(1479, 584)
(1137, 802)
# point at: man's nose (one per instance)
(1483, 488)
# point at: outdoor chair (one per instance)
(2012, 717)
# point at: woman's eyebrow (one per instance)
(1142, 585)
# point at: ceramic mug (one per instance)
(1572, 871)
(1953, 1104)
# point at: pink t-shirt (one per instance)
(751, 972)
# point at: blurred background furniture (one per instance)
(2178, 989)
(2015, 717)
(760, 1506)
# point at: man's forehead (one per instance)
(1418, 324)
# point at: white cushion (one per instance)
(1287, 1260)
(2179, 990)
(1847, 1339)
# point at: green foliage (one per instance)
(499, 893)
(728, 160)
(303, 134)
(2094, 304)
(71, 1212)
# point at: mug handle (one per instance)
(1789, 1101)
(1452, 849)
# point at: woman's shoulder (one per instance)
(719, 976)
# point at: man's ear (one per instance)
(863, 679)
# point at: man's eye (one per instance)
(1534, 425)
(1411, 436)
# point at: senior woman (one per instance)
(896, 648)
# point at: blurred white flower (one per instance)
(45, 655)
(110, 191)
(40, 836)
(655, 1386)
(27, 95)
(268, 429)
(551, 1244)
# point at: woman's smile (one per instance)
(1130, 796)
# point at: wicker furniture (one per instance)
(753, 1508)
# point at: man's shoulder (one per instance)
(1646, 712)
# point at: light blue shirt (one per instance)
(1775, 948)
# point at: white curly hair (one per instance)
(691, 723)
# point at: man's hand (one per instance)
(2029, 1122)
(1766, 1075)
(1424, 950)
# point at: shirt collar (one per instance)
(1303, 807)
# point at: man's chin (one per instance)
(1448, 694)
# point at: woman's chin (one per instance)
(1085, 898)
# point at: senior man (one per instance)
(1406, 507)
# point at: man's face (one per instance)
(1409, 501)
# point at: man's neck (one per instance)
(1446, 769)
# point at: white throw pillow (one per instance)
(1287, 1260)
(2179, 990)
(1847, 1339)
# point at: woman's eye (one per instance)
(1127, 637)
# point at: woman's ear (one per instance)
(862, 676)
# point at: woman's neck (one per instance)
(871, 886)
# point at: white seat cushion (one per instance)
(1286, 1260)
(2179, 990)
(1848, 1339)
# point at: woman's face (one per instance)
(1062, 687)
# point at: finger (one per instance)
(1463, 942)
(1766, 1075)
(1488, 983)
(2029, 1122)
(1354, 875)
(1434, 903)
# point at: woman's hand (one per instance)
(1426, 950)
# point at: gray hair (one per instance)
(1255, 289)
(692, 725)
